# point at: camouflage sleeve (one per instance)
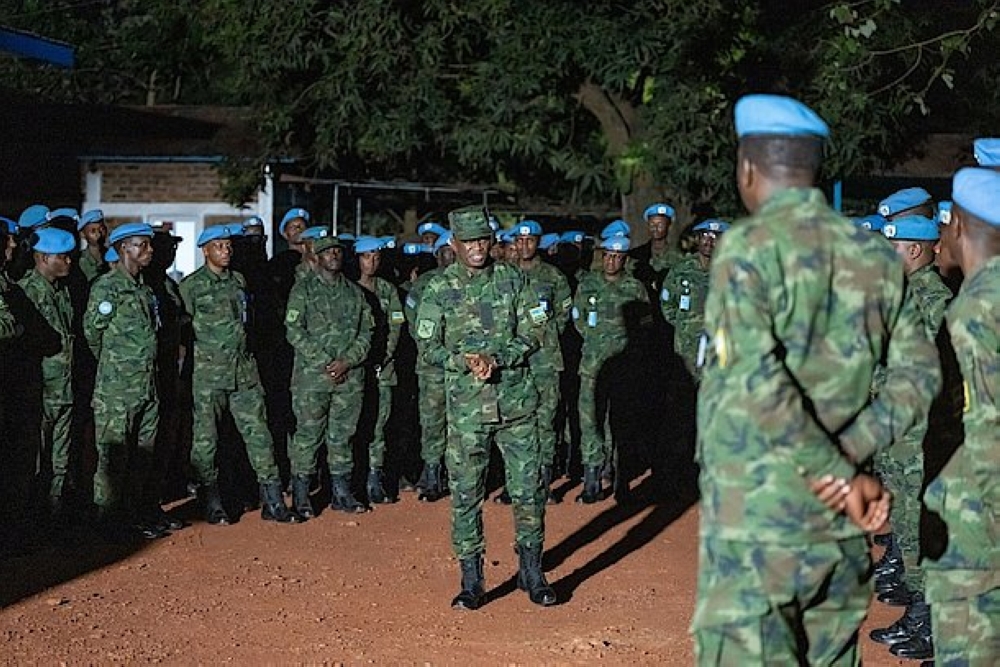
(8, 325)
(912, 380)
(579, 312)
(295, 325)
(563, 305)
(95, 322)
(668, 298)
(188, 300)
(359, 348)
(527, 338)
(430, 334)
(396, 320)
(746, 350)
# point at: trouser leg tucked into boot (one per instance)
(272, 504)
(530, 577)
(433, 489)
(591, 485)
(341, 497)
(300, 496)
(215, 513)
(473, 593)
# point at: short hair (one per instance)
(774, 154)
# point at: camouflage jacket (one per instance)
(682, 302)
(49, 334)
(410, 305)
(492, 312)
(606, 313)
(801, 308)
(8, 325)
(652, 268)
(120, 325)
(551, 292)
(967, 491)
(387, 311)
(218, 307)
(327, 320)
(931, 297)
(90, 267)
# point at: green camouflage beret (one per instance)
(470, 223)
(325, 243)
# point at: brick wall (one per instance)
(154, 183)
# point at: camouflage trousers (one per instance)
(775, 604)
(376, 450)
(247, 409)
(125, 428)
(966, 625)
(902, 469)
(57, 420)
(595, 441)
(433, 416)
(330, 415)
(548, 406)
(468, 457)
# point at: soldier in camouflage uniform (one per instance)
(225, 379)
(603, 309)
(654, 260)
(475, 322)
(120, 325)
(902, 465)
(963, 583)
(387, 309)
(49, 344)
(682, 299)
(784, 410)
(329, 324)
(94, 232)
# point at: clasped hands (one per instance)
(480, 365)
(865, 501)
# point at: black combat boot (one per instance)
(215, 513)
(473, 593)
(916, 617)
(530, 577)
(591, 485)
(300, 497)
(341, 497)
(376, 488)
(889, 569)
(272, 504)
(550, 498)
(432, 490)
(919, 645)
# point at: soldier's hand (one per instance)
(337, 370)
(481, 365)
(868, 503)
(832, 491)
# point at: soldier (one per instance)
(908, 201)
(654, 259)
(49, 344)
(430, 232)
(914, 238)
(306, 239)
(329, 325)
(8, 243)
(225, 379)
(387, 309)
(554, 303)
(120, 324)
(682, 299)
(474, 323)
(94, 233)
(605, 314)
(962, 583)
(784, 408)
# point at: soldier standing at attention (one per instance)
(474, 322)
(802, 306)
(653, 260)
(963, 584)
(120, 325)
(95, 233)
(49, 343)
(225, 378)
(329, 324)
(603, 305)
(8, 242)
(387, 309)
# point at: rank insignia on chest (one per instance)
(538, 314)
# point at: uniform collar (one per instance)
(788, 196)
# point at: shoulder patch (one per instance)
(538, 315)
(411, 302)
(292, 316)
(567, 303)
(425, 329)
(105, 308)
(396, 317)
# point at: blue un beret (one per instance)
(616, 228)
(572, 237)
(63, 213)
(977, 191)
(711, 225)
(33, 216)
(367, 244)
(52, 241)
(911, 228)
(431, 228)
(214, 233)
(527, 228)
(903, 200)
(291, 215)
(944, 212)
(777, 115)
(442, 241)
(130, 229)
(873, 223)
(313, 233)
(387, 242)
(253, 221)
(111, 255)
(547, 241)
(416, 248)
(346, 238)
(9, 226)
(89, 218)
(658, 209)
(987, 152)
(617, 244)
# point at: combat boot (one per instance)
(215, 513)
(550, 498)
(919, 644)
(591, 485)
(300, 497)
(432, 490)
(376, 489)
(473, 593)
(883, 539)
(272, 504)
(913, 621)
(530, 577)
(341, 497)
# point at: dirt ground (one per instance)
(363, 589)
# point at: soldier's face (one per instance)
(473, 254)
(526, 247)
(218, 253)
(57, 265)
(9, 245)
(613, 262)
(369, 262)
(445, 256)
(331, 259)
(137, 250)
(94, 233)
(428, 238)
(659, 225)
(293, 228)
(706, 244)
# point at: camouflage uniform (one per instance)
(963, 584)
(488, 312)
(682, 301)
(602, 310)
(225, 374)
(91, 266)
(651, 268)
(430, 383)
(8, 326)
(389, 320)
(326, 320)
(51, 342)
(120, 326)
(784, 399)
